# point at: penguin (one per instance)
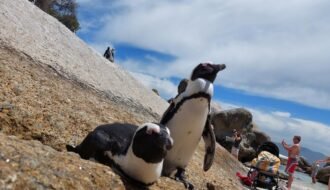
(187, 119)
(136, 153)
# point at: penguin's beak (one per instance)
(219, 67)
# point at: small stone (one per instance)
(18, 89)
(6, 105)
(68, 101)
(210, 186)
(12, 178)
(7, 160)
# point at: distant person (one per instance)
(293, 156)
(236, 140)
(315, 169)
(326, 160)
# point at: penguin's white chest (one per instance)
(186, 128)
(137, 168)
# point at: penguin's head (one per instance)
(207, 71)
(151, 142)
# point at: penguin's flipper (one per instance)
(71, 148)
(168, 114)
(209, 140)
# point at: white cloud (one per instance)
(281, 114)
(281, 125)
(278, 49)
(164, 87)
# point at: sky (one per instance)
(276, 53)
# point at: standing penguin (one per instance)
(187, 119)
(137, 153)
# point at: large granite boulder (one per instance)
(256, 137)
(252, 139)
(324, 174)
(225, 121)
(304, 165)
(240, 119)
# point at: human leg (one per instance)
(290, 180)
(290, 169)
(315, 169)
(234, 152)
(314, 179)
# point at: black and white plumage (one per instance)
(136, 152)
(187, 119)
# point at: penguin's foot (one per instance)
(180, 176)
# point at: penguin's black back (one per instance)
(115, 138)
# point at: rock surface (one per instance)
(54, 90)
(56, 111)
(324, 174)
(32, 32)
(240, 119)
(29, 164)
(304, 165)
(225, 121)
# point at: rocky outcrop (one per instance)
(30, 31)
(252, 139)
(324, 174)
(56, 111)
(54, 90)
(240, 119)
(225, 121)
(256, 137)
(304, 165)
(32, 165)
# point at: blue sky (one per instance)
(276, 54)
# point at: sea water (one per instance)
(303, 181)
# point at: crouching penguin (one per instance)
(136, 153)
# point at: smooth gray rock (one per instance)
(240, 119)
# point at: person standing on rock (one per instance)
(293, 156)
(315, 169)
(236, 140)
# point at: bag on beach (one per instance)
(267, 162)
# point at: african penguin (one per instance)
(187, 119)
(137, 153)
